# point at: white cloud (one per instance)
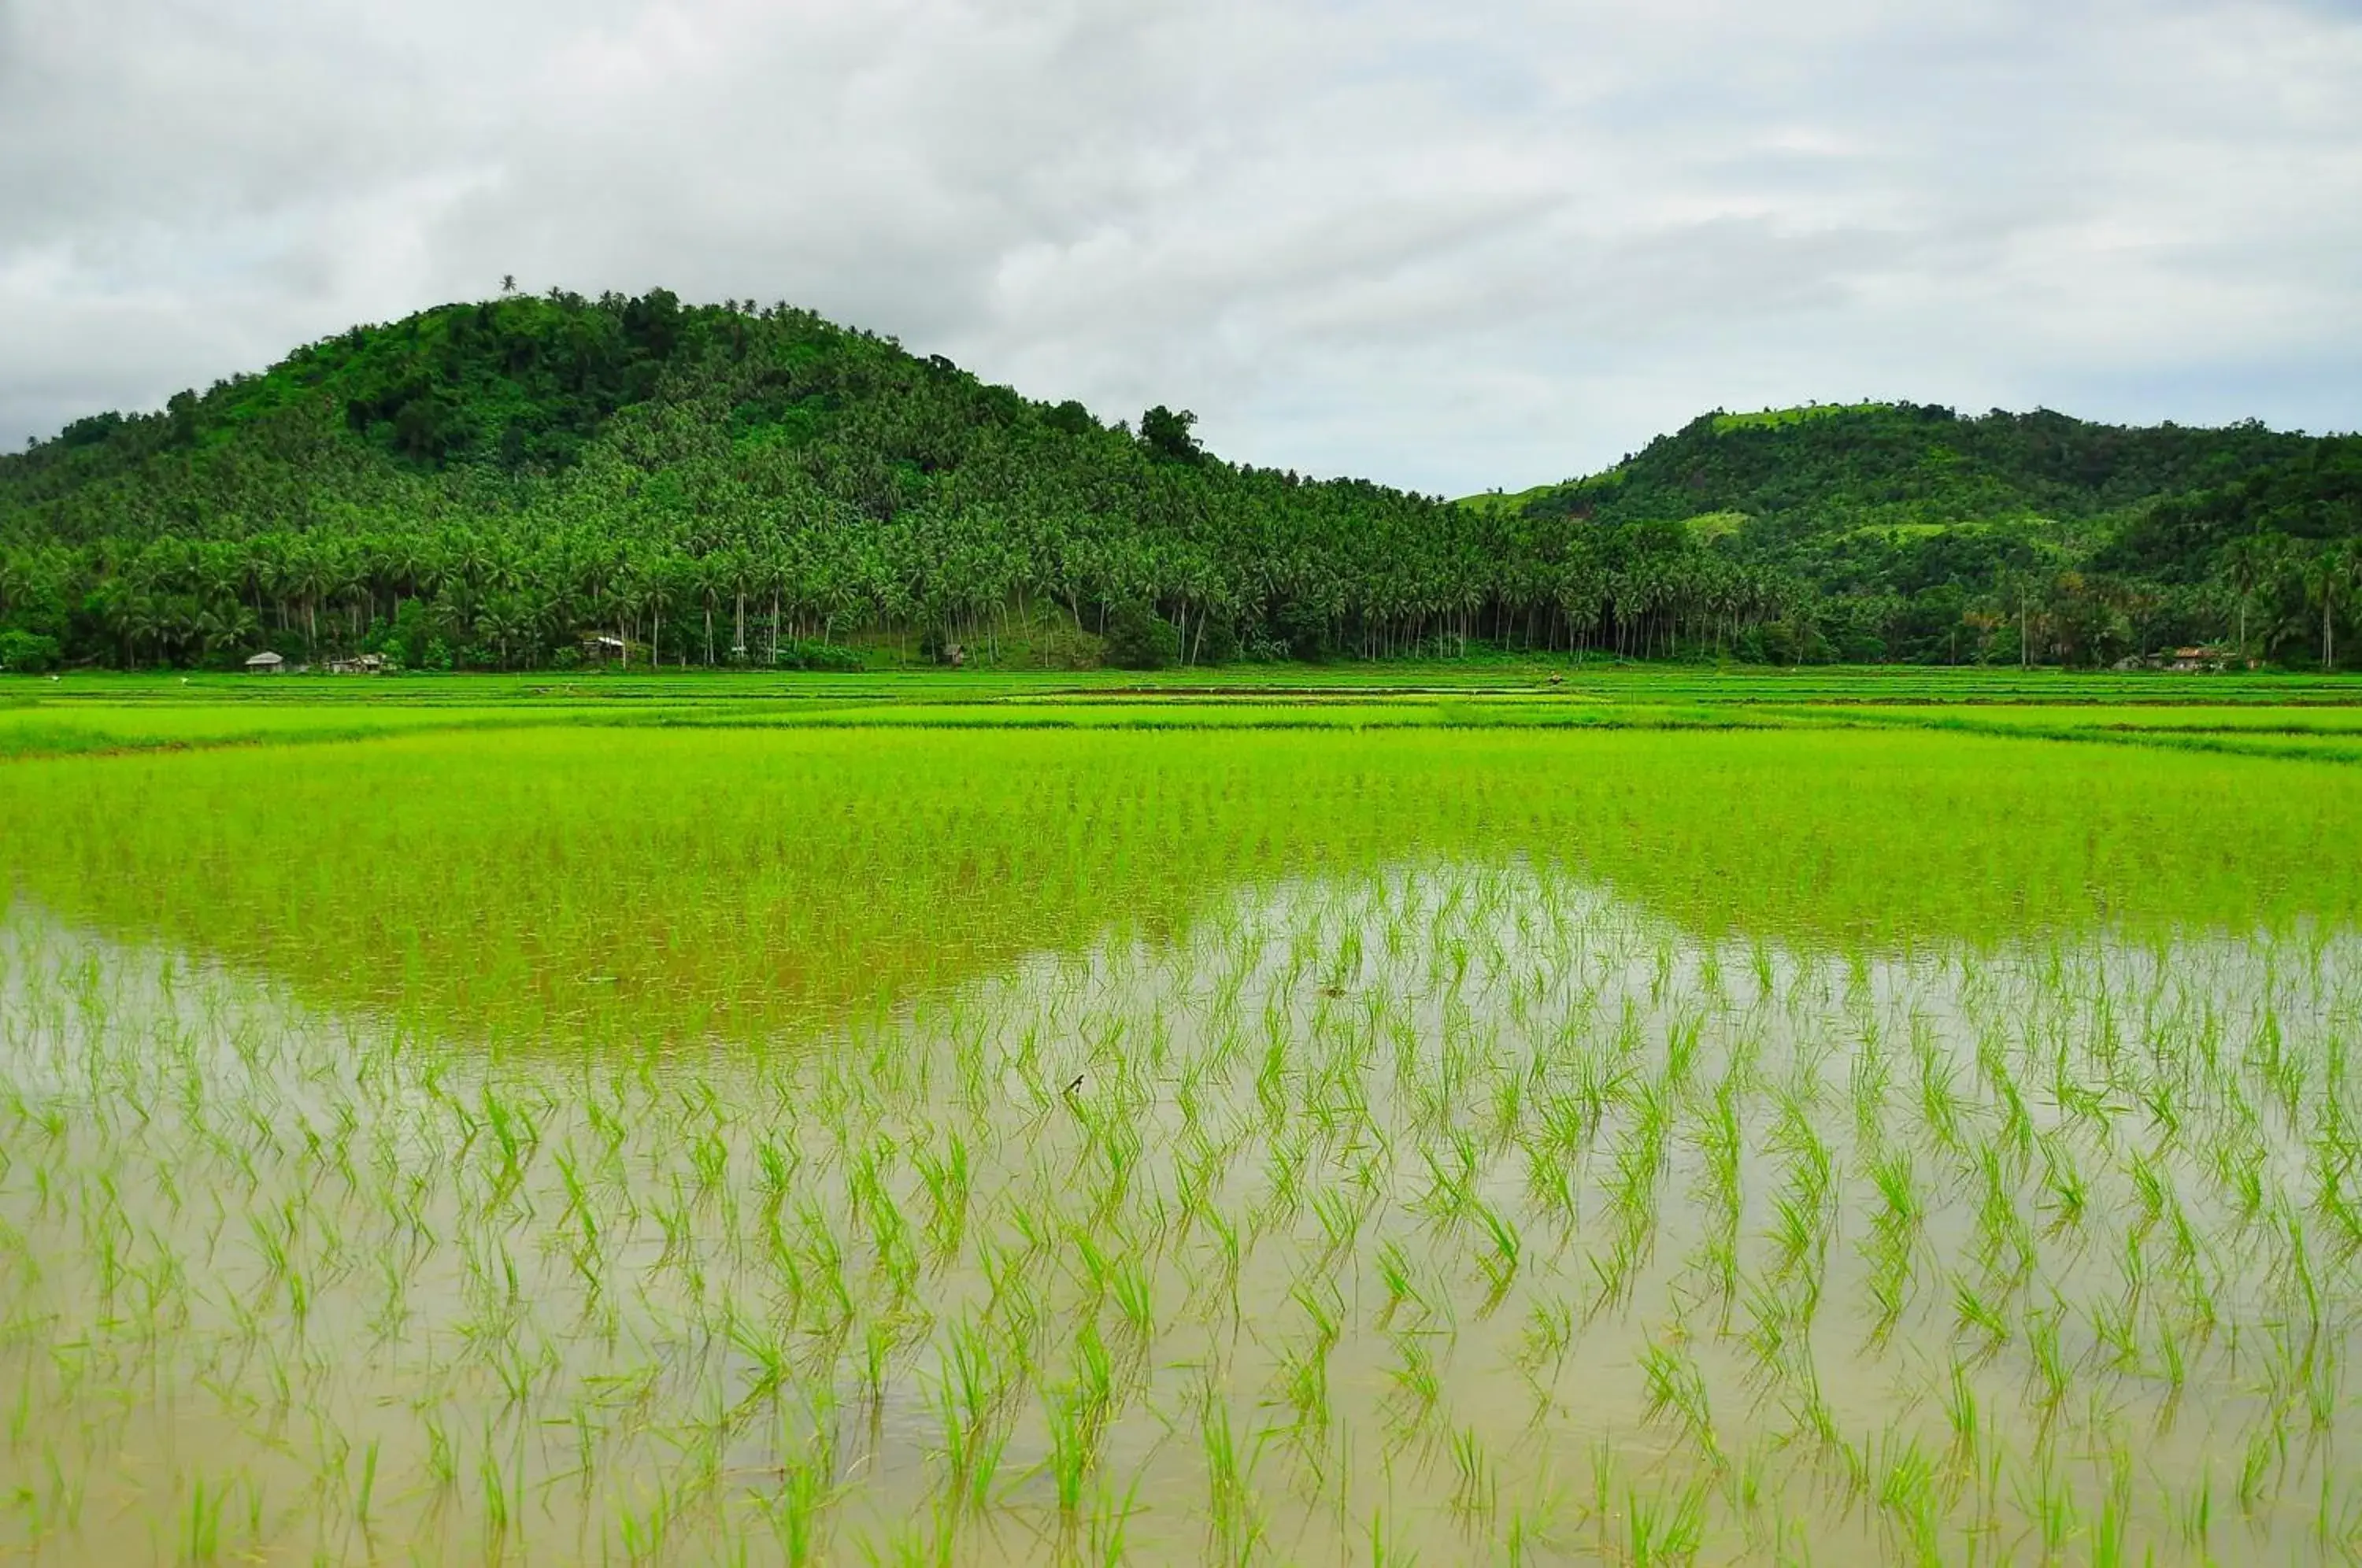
(1448, 247)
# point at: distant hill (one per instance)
(1817, 471)
(2109, 539)
(502, 482)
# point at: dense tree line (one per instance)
(485, 484)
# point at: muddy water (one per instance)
(1454, 1211)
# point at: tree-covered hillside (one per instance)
(1923, 536)
(491, 483)
(487, 482)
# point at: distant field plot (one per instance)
(117, 725)
(2192, 718)
(2262, 716)
(2313, 730)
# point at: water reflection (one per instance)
(1463, 1208)
(623, 888)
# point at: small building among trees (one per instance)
(265, 663)
(2204, 660)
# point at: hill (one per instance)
(495, 483)
(1929, 536)
(485, 482)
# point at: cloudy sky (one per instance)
(1449, 244)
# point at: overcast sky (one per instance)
(1448, 244)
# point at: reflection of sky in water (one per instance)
(1408, 1173)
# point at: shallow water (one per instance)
(1456, 1209)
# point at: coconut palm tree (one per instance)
(226, 626)
(15, 580)
(2248, 562)
(2330, 578)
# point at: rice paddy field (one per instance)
(1469, 1117)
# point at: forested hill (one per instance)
(495, 479)
(488, 483)
(1922, 531)
(1834, 472)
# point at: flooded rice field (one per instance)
(955, 1149)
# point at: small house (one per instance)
(265, 664)
(598, 648)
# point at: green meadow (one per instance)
(1478, 1112)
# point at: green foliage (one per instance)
(1813, 472)
(28, 653)
(1167, 436)
(806, 653)
(1137, 638)
(1911, 533)
(694, 480)
(722, 485)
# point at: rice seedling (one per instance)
(443, 1160)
